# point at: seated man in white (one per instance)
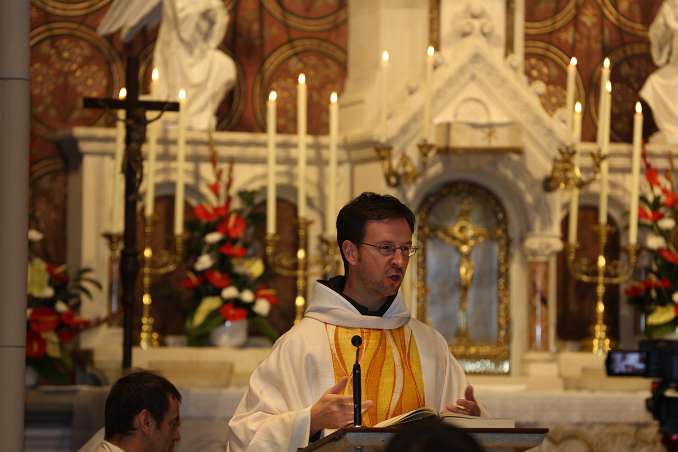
(303, 387)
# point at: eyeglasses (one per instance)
(389, 249)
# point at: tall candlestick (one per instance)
(118, 177)
(635, 173)
(152, 151)
(574, 204)
(332, 188)
(301, 136)
(270, 141)
(569, 103)
(383, 86)
(181, 160)
(604, 145)
(428, 126)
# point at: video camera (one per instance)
(654, 359)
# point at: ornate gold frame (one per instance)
(475, 357)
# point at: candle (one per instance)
(428, 129)
(181, 160)
(383, 84)
(569, 103)
(604, 145)
(604, 78)
(152, 151)
(118, 195)
(332, 190)
(270, 141)
(301, 133)
(574, 204)
(635, 173)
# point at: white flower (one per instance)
(666, 224)
(230, 292)
(675, 297)
(34, 235)
(213, 237)
(654, 242)
(203, 263)
(60, 307)
(262, 307)
(247, 296)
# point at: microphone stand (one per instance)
(357, 406)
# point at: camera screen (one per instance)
(620, 362)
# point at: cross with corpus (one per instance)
(135, 134)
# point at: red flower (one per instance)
(218, 279)
(192, 281)
(267, 294)
(635, 290)
(649, 215)
(208, 213)
(66, 336)
(215, 188)
(230, 312)
(665, 283)
(43, 319)
(35, 345)
(669, 256)
(69, 318)
(654, 283)
(234, 226)
(58, 273)
(232, 251)
(652, 176)
(670, 198)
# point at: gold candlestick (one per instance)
(405, 172)
(148, 338)
(114, 241)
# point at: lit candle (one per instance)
(301, 137)
(383, 85)
(574, 204)
(604, 78)
(604, 145)
(635, 173)
(152, 151)
(332, 190)
(428, 129)
(569, 104)
(118, 177)
(270, 141)
(181, 160)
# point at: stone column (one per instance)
(14, 144)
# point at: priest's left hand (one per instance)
(467, 405)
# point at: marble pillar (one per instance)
(14, 145)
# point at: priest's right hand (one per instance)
(334, 410)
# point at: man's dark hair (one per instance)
(133, 393)
(432, 436)
(353, 217)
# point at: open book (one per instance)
(456, 419)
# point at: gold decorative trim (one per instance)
(552, 23)
(45, 167)
(473, 356)
(70, 8)
(559, 57)
(626, 24)
(310, 24)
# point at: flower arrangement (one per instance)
(226, 276)
(656, 294)
(52, 323)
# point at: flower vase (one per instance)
(229, 334)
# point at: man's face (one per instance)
(167, 433)
(380, 276)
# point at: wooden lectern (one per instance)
(365, 439)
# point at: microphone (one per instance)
(357, 406)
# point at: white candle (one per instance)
(301, 137)
(604, 145)
(604, 78)
(428, 126)
(574, 204)
(181, 160)
(383, 86)
(152, 151)
(569, 103)
(635, 173)
(332, 188)
(118, 195)
(270, 141)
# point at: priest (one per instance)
(303, 388)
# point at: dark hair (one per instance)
(133, 393)
(432, 436)
(353, 217)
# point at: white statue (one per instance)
(661, 88)
(186, 51)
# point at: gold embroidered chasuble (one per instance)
(391, 374)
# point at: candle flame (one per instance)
(123, 93)
(430, 51)
(333, 97)
(606, 63)
(639, 108)
(573, 61)
(302, 79)
(608, 87)
(272, 96)
(155, 74)
(577, 107)
(385, 56)
(182, 94)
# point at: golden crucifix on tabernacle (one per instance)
(464, 236)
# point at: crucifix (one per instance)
(132, 167)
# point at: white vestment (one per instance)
(105, 446)
(274, 413)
